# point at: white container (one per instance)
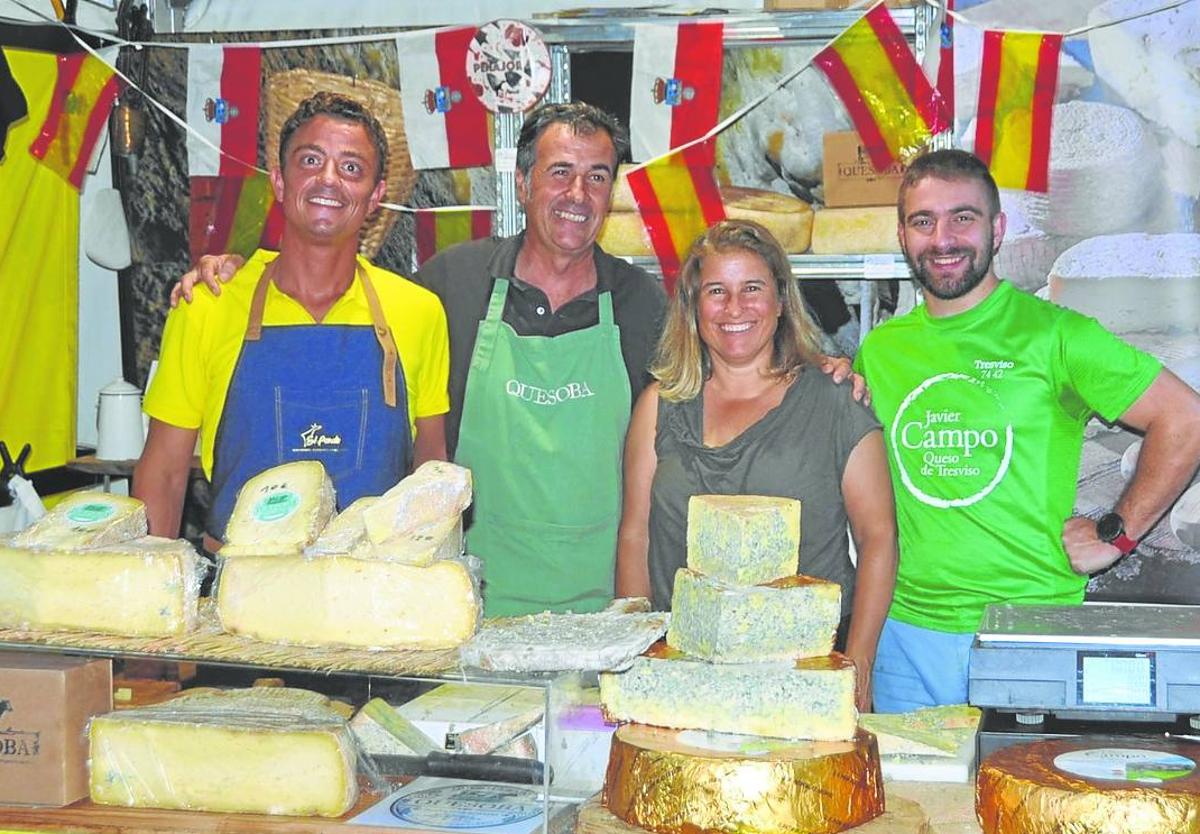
(119, 422)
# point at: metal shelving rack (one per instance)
(615, 34)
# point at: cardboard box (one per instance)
(849, 177)
(46, 701)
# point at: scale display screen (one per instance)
(1115, 679)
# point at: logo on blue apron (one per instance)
(314, 439)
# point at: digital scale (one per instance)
(1051, 671)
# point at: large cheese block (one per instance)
(850, 231)
(86, 519)
(743, 539)
(811, 698)
(259, 751)
(143, 588)
(436, 492)
(686, 782)
(1133, 282)
(790, 618)
(280, 510)
(345, 531)
(343, 601)
(1090, 785)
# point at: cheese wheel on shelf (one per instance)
(435, 492)
(1090, 785)
(683, 782)
(851, 231)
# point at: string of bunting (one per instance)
(1017, 94)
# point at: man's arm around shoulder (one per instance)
(1168, 412)
(160, 477)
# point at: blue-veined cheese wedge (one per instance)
(743, 539)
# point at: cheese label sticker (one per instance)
(276, 506)
(93, 512)
(1125, 764)
(467, 807)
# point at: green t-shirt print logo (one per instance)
(952, 441)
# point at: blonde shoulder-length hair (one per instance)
(682, 363)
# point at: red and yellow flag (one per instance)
(1017, 83)
(678, 200)
(438, 230)
(232, 214)
(83, 96)
(895, 109)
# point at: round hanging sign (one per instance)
(508, 66)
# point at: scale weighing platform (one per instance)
(1050, 671)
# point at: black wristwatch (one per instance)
(1110, 528)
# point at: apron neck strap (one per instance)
(383, 333)
(604, 299)
(495, 310)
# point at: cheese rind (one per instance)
(810, 699)
(143, 588)
(676, 782)
(743, 539)
(790, 618)
(280, 510)
(86, 519)
(436, 491)
(228, 753)
(343, 601)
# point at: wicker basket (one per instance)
(285, 91)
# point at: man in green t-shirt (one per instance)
(983, 392)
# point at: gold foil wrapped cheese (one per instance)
(690, 781)
(1090, 785)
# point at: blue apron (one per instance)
(313, 392)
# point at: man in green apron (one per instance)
(549, 339)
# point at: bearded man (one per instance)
(984, 392)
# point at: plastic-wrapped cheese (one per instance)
(849, 231)
(280, 510)
(343, 601)
(1090, 785)
(686, 782)
(420, 546)
(253, 751)
(86, 519)
(1132, 283)
(345, 531)
(793, 617)
(812, 698)
(147, 587)
(436, 491)
(743, 539)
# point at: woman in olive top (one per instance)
(739, 407)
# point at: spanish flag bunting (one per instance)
(438, 230)
(895, 109)
(233, 214)
(84, 93)
(678, 199)
(1018, 78)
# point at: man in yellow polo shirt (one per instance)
(313, 354)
